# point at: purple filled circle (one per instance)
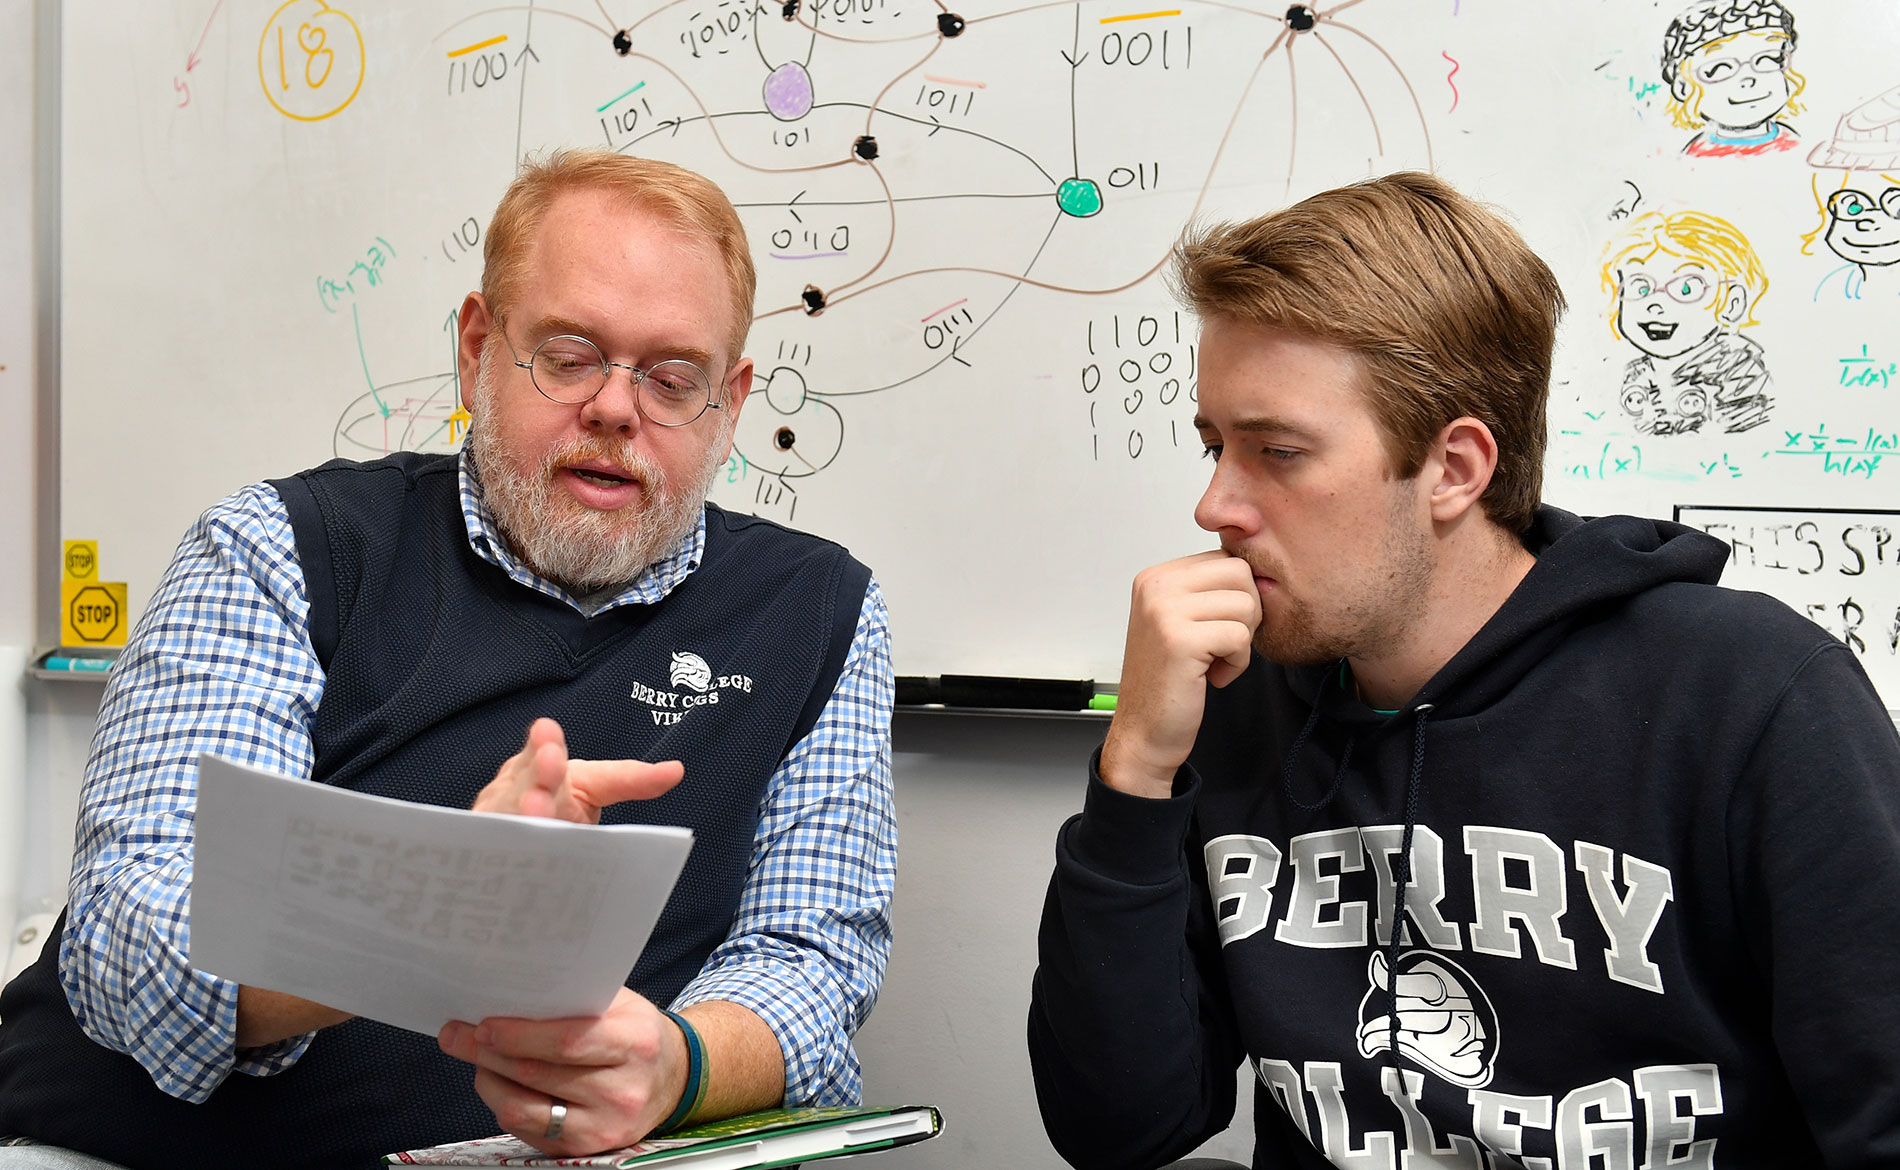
(788, 92)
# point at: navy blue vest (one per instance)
(436, 662)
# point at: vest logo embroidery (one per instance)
(694, 685)
(690, 670)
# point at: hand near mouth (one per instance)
(1191, 623)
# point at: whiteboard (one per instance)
(271, 211)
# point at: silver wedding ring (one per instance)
(557, 1119)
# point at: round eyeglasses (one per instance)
(1683, 288)
(1851, 204)
(572, 370)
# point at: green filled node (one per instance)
(1079, 197)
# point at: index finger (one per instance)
(604, 782)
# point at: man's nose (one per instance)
(617, 406)
(1221, 506)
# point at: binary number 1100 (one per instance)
(478, 72)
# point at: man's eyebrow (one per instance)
(1259, 425)
(548, 327)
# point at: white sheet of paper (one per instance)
(414, 914)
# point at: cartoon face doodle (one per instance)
(1863, 227)
(1860, 211)
(1446, 1023)
(1668, 305)
(1739, 83)
(1728, 67)
(1682, 285)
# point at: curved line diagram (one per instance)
(774, 446)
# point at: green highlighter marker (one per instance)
(1102, 703)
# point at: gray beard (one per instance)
(580, 548)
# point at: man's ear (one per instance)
(471, 331)
(1460, 466)
(732, 397)
(1679, 88)
(1734, 308)
(738, 385)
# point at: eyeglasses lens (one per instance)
(569, 369)
(674, 393)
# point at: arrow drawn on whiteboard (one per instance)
(179, 85)
(364, 358)
(191, 61)
(789, 202)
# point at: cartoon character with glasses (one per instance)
(1683, 285)
(1727, 65)
(1860, 215)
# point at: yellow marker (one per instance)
(477, 47)
(310, 60)
(92, 613)
(458, 423)
(82, 560)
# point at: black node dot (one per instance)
(789, 10)
(865, 147)
(623, 44)
(785, 438)
(1301, 18)
(814, 298)
(949, 24)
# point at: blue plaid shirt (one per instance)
(222, 662)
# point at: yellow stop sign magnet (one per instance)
(92, 613)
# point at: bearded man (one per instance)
(394, 627)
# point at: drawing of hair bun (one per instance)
(1712, 20)
(1867, 138)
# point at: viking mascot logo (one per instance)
(1446, 1023)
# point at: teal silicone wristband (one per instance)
(695, 1091)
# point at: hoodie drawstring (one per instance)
(1293, 753)
(1402, 876)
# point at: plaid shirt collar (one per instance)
(654, 582)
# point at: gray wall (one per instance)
(979, 799)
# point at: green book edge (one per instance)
(730, 1131)
(768, 1123)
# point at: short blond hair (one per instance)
(1691, 235)
(1447, 310)
(687, 200)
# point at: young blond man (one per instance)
(396, 628)
(1640, 832)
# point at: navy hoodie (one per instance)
(1651, 915)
